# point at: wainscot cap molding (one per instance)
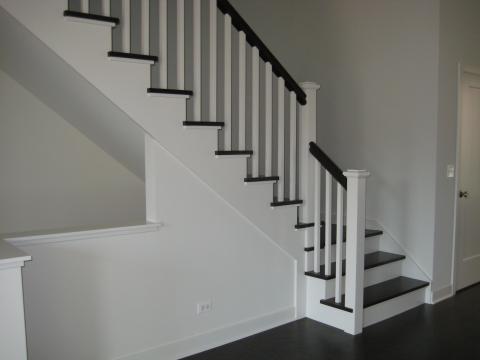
(81, 235)
(10, 256)
(309, 85)
(357, 174)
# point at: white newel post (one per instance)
(307, 133)
(13, 345)
(355, 250)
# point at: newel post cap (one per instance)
(309, 85)
(356, 174)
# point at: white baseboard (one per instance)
(221, 336)
(441, 294)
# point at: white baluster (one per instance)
(197, 60)
(328, 224)
(356, 187)
(317, 218)
(255, 110)
(339, 255)
(293, 145)
(163, 46)
(268, 119)
(125, 25)
(242, 44)
(181, 44)
(228, 82)
(85, 7)
(145, 25)
(307, 127)
(281, 139)
(213, 60)
(106, 7)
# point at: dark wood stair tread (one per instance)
(169, 91)
(233, 152)
(261, 178)
(204, 123)
(124, 55)
(94, 17)
(384, 291)
(299, 226)
(372, 260)
(368, 233)
(286, 203)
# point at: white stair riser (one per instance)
(393, 307)
(371, 245)
(326, 288)
(327, 314)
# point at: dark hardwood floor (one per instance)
(448, 330)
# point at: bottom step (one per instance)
(378, 293)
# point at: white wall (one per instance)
(459, 39)
(55, 83)
(134, 297)
(52, 176)
(376, 62)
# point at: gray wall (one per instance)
(459, 43)
(52, 176)
(376, 62)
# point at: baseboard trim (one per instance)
(217, 337)
(441, 294)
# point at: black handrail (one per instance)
(252, 38)
(328, 164)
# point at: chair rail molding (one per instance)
(13, 343)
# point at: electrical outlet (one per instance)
(450, 171)
(204, 307)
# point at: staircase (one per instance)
(233, 86)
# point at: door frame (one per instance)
(462, 70)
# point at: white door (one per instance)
(468, 220)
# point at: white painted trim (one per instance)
(181, 44)
(309, 85)
(129, 60)
(217, 337)
(11, 257)
(171, 96)
(90, 21)
(163, 46)
(441, 294)
(125, 25)
(197, 60)
(269, 182)
(82, 235)
(462, 70)
(13, 265)
(213, 19)
(85, 6)
(393, 307)
(285, 206)
(106, 7)
(455, 245)
(151, 180)
(145, 26)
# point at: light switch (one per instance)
(450, 171)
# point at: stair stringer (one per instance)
(85, 48)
